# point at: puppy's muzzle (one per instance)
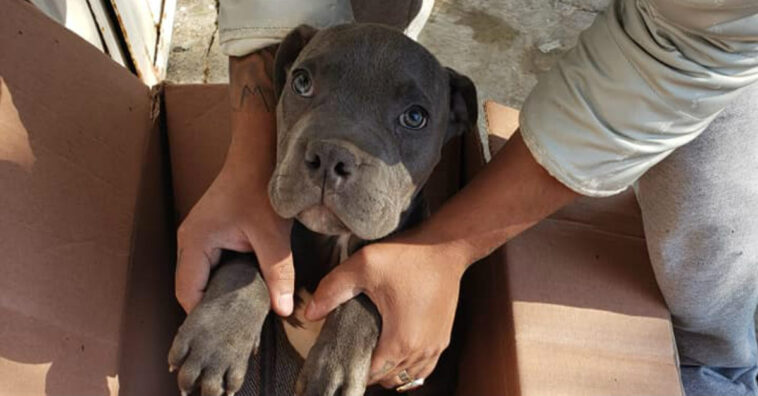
(330, 165)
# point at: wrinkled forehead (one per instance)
(375, 58)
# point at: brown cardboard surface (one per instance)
(151, 314)
(80, 130)
(197, 119)
(570, 307)
(502, 122)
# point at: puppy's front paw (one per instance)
(339, 362)
(213, 345)
(335, 368)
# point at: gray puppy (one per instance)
(362, 116)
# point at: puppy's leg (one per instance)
(339, 362)
(214, 343)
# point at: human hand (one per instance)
(415, 288)
(235, 214)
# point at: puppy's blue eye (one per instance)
(302, 83)
(414, 118)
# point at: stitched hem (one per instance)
(256, 33)
(543, 157)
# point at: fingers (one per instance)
(403, 373)
(422, 368)
(279, 273)
(384, 362)
(427, 370)
(392, 380)
(192, 271)
(418, 359)
(340, 285)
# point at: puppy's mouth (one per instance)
(321, 219)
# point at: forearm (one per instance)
(511, 193)
(253, 119)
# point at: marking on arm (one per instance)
(257, 90)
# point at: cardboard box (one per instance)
(86, 232)
(95, 169)
(569, 307)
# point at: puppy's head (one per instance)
(362, 116)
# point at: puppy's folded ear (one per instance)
(464, 108)
(288, 51)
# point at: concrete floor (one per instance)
(502, 45)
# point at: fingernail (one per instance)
(285, 302)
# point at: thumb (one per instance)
(193, 268)
(337, 287)
(279, 274)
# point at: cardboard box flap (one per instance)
(569, 307)
(74, 129)
(199, 133)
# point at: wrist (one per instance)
(456, 252)
(247, 175)
(252, 150)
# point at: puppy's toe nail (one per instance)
(171, 368)
(184, 393)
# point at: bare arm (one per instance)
(235, 212)
(512, 193)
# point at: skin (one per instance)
(403, 276)
(235, 213)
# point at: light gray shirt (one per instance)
(249, 25)
(647, 77)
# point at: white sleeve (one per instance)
(647, 77)
(249, 25)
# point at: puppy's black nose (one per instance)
(329, 163)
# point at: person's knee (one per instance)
(715, 346)
(709, 381)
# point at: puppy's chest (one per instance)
(314, 258)
(315, 255)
